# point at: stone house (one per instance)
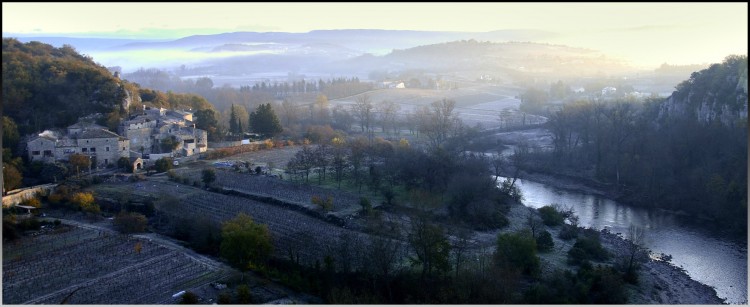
(147, 130)
(104, 147)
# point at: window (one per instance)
(87, 141)
(93, 149)
(123, 147)
(107, 148)
(84, 149)
(35, 152)
(47, 153)
(106, 161)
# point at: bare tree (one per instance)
(387, 110)
(460, 247)
(636, 253)
(289, 111)
(533, 222)
(439, 122)
(363, 111)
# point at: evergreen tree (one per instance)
(264, 120)
(233, 121)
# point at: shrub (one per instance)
(551, 216)
(326, 204)
(124, 163)
(85, 202)
(9, 229)
(172, 175)
(245, 243)
(29, 224)
(189, 298)
(130, 222)
(544, 241)
(517, 250)
(587, 248)
(208, 176)
(568, 232)
(164, 164)
(224, 298)
(366, 206)
(389, 195)
(243, 294)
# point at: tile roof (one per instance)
(97, 134)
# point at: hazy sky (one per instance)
(645, 33)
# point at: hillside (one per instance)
(46, 87)
(718, 93)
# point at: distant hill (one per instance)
(80, 43)
(300, 50)
(522, 57)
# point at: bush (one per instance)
(9, 229)
(130, 222)
(124, 163)
(568, 232)
(225, 298)
(208, 176)
(544, 241)
(587, 248)
(189, 298)
(245, 243)
(85, 202)
(366, 206)
(29, 224)
(551, 216)
(243, 294)
(517, 250)
(326, 204)
(163, 164)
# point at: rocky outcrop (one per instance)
(718, 93)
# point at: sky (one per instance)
(644, 33)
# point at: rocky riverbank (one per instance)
(660, 281)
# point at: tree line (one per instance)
(685, 160)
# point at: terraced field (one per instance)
(295, 234)
(91, 266)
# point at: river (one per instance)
(707, 257)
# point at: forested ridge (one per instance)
(687, 153)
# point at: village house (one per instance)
(104, 147)
(148, 131)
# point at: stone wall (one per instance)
(15, 197)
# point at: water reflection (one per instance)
(707, 257)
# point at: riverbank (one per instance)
(660, 282)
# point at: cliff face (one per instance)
(718, 93)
